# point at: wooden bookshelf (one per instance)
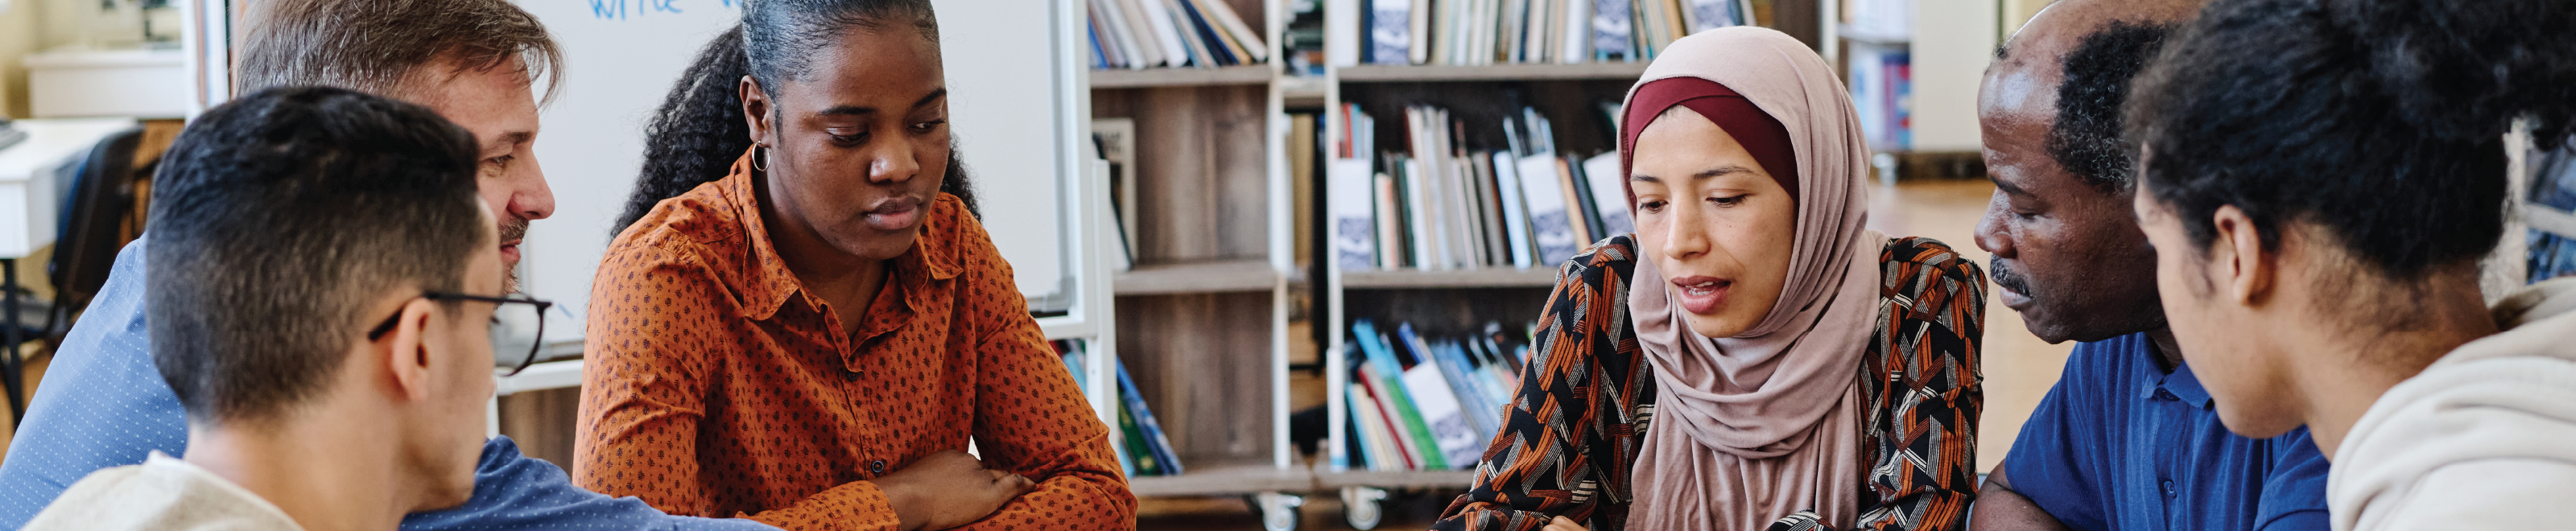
(1535, 277)
(1399, 479)
(1202, 316)
(1499, 72)
(1259, 74)
(1226, 479)
(1197, 277)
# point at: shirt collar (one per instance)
(2186, 387)
(768, 283)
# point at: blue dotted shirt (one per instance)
(103, 404)
(2121, 445)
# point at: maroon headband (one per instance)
(1760, 134)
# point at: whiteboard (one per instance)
(1014, 127)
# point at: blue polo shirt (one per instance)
(104, 404)
(2121, 445)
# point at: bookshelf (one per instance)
(1435, 299)
(1203, 309)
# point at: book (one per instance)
(1552, 225)
(1609, 193)
(1247, 41)
(1391, 250)
(1576, 212)
(1151, 432)
(1515, 213)
(1418, 40)
(1116, 140)
(1349, 189)
(1140, 461)
(1342, 22)
(1387, 376)
(1583, 202)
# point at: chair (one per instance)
(102, 197)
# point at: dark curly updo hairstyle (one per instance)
(2380, 122)
(699, 130)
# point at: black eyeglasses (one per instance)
(518, 327)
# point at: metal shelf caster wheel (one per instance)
(1360, 506)
(1278, 511)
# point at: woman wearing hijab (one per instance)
(1753, 357)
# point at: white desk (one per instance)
(36, 174)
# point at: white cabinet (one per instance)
(78, 81)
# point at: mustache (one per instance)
(2005, 276)
(513, 229)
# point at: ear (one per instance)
(755, 110)
(405, 351)
(2237, 257)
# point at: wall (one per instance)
(18, 37)
(30, 26)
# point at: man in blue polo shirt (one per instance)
(104, 403)
(2127, 440)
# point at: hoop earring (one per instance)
(758, 157)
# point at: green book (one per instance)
(1142, 458)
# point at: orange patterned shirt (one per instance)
(716, 386)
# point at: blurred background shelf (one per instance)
(1218, 480)
(1499, 72)
(1256, 74)
(1197, 277)
(1458, 278)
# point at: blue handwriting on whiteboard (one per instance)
(630, 9)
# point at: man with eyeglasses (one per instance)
(282, 222)
(473, 62)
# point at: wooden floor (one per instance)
(2018, 369)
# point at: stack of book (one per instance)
(1139, 442)
(1421, 403)
(1484, 32)
(1436, 205)
(1882, 81)
(1171, 33)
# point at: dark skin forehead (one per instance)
(2019, 97)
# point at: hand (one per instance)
(1562, 524)
(949, 489)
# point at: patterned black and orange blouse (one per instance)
(716, 386)
(1587, 394)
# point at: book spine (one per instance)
(1158, 23)
(1417, 48)
(1248, 41)
(1153, 431)
(1390, 219)
(1577, 213)
(1404, 427)
(1345, 33)
(1388, 374)
(1141, 461)
(1515, 213)
(1609, 192)
(1551, 227)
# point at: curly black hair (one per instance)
(699, 131)
(2087, 139)
(2380, 122)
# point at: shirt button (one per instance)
(877, 467)
(2165, 395)
(850, 376)
(2169, 488)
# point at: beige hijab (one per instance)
(1755, 427)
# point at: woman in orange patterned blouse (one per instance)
(810, 337)
(1753, 357)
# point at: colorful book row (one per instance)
(1434, 205)
(1421, 403)
(1142, 448)
(1128, 34)
(1484, 32)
